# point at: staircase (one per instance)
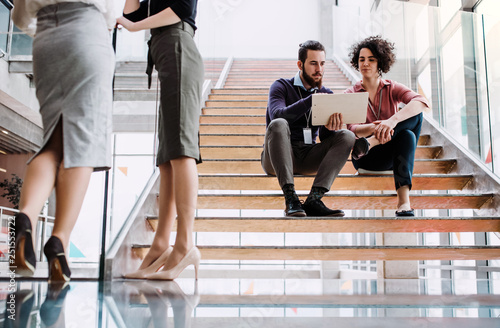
(231, 178)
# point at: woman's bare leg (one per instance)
(41, 177)
(71, 187)
(185, 174)
(166, 215)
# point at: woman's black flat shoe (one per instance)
(58, 266)
(24, 255)
(406, 212)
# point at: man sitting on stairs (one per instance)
(290, 144)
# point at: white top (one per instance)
(24, 12)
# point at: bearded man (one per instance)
(290, 145)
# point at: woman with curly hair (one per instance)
(388, 138)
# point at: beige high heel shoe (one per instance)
(152, 268)
(192, 257)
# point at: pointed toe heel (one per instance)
(24, 253)
(58, 265)
(192, 257)
(152, 268)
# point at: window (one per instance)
(5, 7)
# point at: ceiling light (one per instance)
(3, 170)
(6, 132)
(2, 152)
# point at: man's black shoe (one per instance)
(317, 208)
(360, 149)
(294, 208)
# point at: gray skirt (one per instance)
(73, 65)
(181, 73)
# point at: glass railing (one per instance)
(21, 44)
(13, 42)
(4, 24)
(449, 56)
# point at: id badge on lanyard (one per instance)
(308, 140)
(307, 130)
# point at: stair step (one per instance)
(237, 140)
(253, 166)
(382, 300)
(245, 109)
(345, 201)
(343, 182)
(238, 96)
(233, 129)
(234, 119)
(346, 301)
(268, 84)
(243, 80)
(254, 152)
(236, 103)
(225, 91)
(342, 253)
(250, 139)
(345, 224)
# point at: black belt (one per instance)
(155, 31)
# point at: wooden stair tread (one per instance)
(342, 224)
(257, 139)
(253, 166)
(345, 201)
(387, 300)
(344, 300)
(342, 253)
(342, 182)
(254, 152)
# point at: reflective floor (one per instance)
(252, 303)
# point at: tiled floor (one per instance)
(242, 303)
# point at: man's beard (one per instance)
(310, 80)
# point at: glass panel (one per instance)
(448, 9)
(4, 26)
(22, 44)
(454, 86)
(492, 49)
(130, 174)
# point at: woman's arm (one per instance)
(163, 18)
(384, 129)
(131, 6)
(364, 130)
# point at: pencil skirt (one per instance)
(73, 65)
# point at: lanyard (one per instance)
(308, 117)
(379, 105)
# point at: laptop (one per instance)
(353, 107)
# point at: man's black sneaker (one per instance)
(317, 208)
(294, 208)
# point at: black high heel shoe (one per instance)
(51, 309)
(25, 259)
(58, 266)
(18, 309)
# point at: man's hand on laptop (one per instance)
(335, 122)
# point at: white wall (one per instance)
(17, 85)
(242, 28)
(255, 28)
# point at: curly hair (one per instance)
(381, 49)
